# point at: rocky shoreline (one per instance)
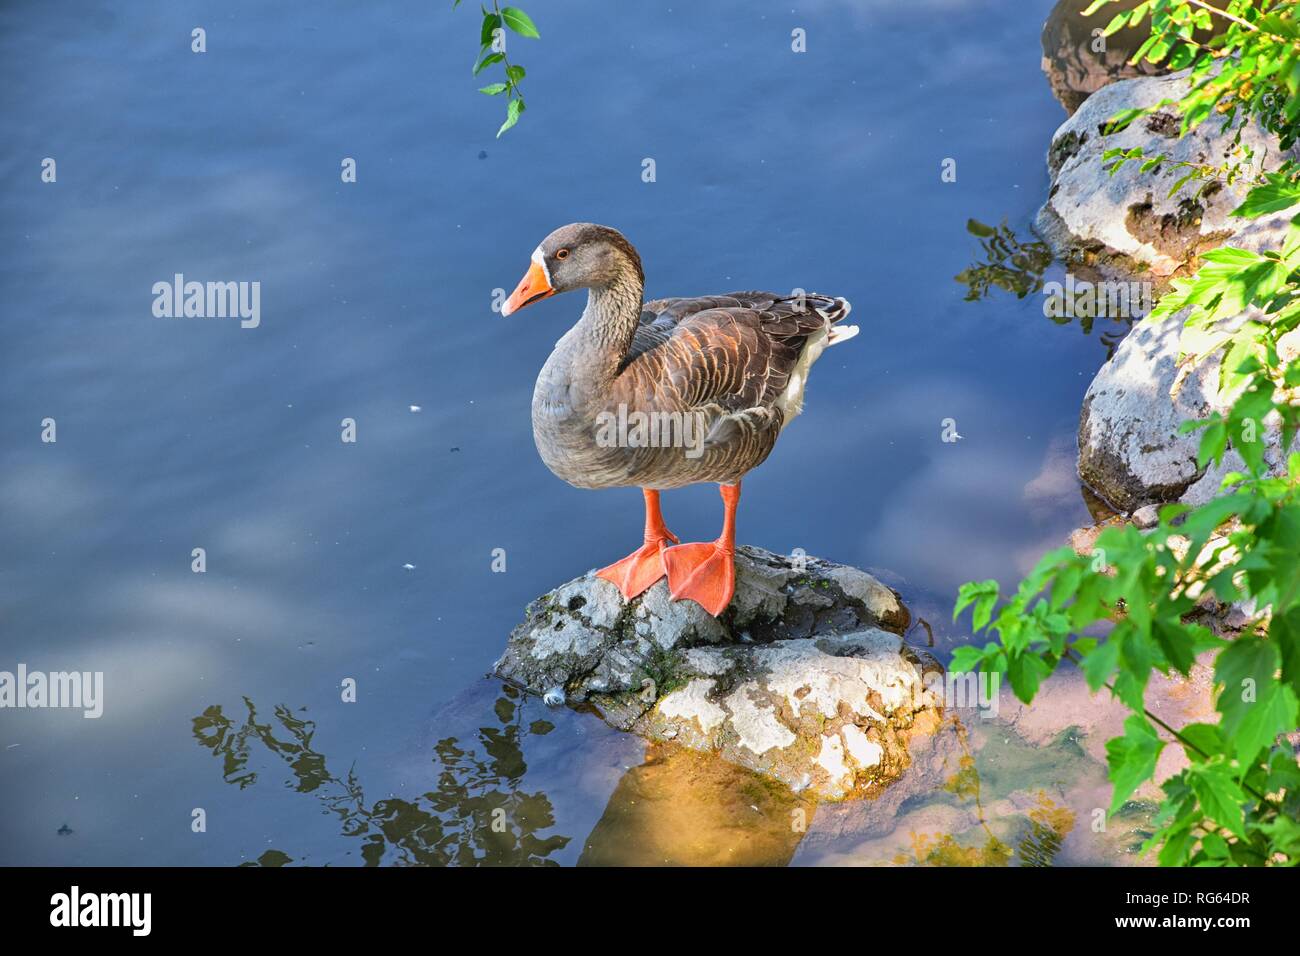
(1132, 225)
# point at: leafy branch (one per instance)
(1251, 69)
(1237, 802)
(492, 37)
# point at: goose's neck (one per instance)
(599, 342)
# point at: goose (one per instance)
(666, 393)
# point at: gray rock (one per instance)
(1130, 451)
(804, 677)
(1148, 516)
(1126, 223)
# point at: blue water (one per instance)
(774, 170)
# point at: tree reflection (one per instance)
(1017, 266)
(1008, 263)
(478, 815)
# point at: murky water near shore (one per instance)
(372, 561)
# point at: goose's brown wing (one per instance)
(726, 357)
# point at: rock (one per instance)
(804, 678)
(1128, 223)
(1148, 516)
(1130, 451)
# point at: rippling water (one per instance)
(371, 561)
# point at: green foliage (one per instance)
(492, 51)
(1251, 68)
(1128, 609)
(1142, 587)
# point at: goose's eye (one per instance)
(562, 254)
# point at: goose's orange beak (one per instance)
(533, 286)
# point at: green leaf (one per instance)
(1219, 794)
(512, 115)
(1132, 758)
(1179, 184)
(1253, 704)
(1213, 444)
(1176, 644)
(1182, 57)
(977, 593)
(1285, 631)
(1273, 714)
(1117, 22)
(519, 21)
(1205, 740)
(1177, 844)
(1121, 120)
(515, 72)
(487, 61)
(966, 658)
(494, 89)
(1272, 197)
(1099, 665)
(1026, 673)
(1215, 846)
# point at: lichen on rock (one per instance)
(804, 678)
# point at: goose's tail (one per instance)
(834, 310)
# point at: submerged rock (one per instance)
(1128, 222)
(804, 678)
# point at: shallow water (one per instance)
(776, 170)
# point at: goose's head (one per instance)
(581, 255)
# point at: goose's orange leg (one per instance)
(706, 573)
(644, 566)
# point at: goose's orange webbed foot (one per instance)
(704, 573)
(640, 569)
(644, 566)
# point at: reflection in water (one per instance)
(1008, 263)
(1078, 62)
(943, 849)
(1018, 266)
(997, 801)
(685, 808)
(477, 815)
(1048, 825)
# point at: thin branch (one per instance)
(505, 59)
(1227, 16)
